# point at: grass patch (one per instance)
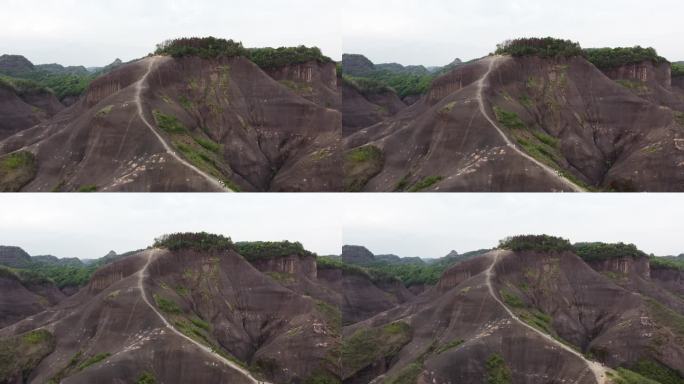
(625, 376)
(655, 371)
(449, 345)
(497, 370)
(19, 355)
(361, 165)
(666, 317)
(208, 144)
(17, 170)
(508, 119)
(426, 183)
(332, 315)
(408, 375)
(168, 123)
(366, 346)
(511, 299)
(402, 184)
(166, 305)
(93, 360)
(146, 378)
(87, 188)
(636, 86)
(199, 323)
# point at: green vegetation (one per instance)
(510, 120)
(19, 355)
(604, 251)
(625, 376)
(412, 274)
(166, 305)
(168, 123)
(539, 243)
(22, 87)
(511, 299)
(104, 111)
(366, 346)
(256, 250)
(62, 85)
(93, 360)
(208, 144)
(360, 165)
(497, 370)
(322, 377)
(206, 48)
(405, 84)
(450, 345)
(408, 375)
(146, 378)
(333, 316)
(677, 70)
(547, 47)
(606, 58)
(665, 263)
(366, 86)
(269, 58)
(425, 183)
(88, 188)
(655, 371)
(16, 170)
(198, 241)
(667, 317)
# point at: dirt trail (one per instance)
(480, 99)
(139, 86)
(141, 279)
(599, 371)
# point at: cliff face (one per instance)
(669, 278)
(314, 81)
(301, 266)
(645, 71)
(632, 266)
(356, 254)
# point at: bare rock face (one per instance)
(297, 265)
(509, 309)
(150, 311)
(356, 65)
(313, 81)
(252, 132)
(24, 297)
(23, 111)
(14, 257)
(671, 279)
(475, 127)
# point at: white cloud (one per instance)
(94, 32)
(434, 32)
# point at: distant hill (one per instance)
(13, 65)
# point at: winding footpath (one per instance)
(141, 280)
(599, 371)
(139, 87)
(480, 99)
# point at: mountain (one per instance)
(14, 257)
(188, 309)
(219, 123)
(58, 69)
(528, 312)
(13, 65)
(24, 104)
(529, 122)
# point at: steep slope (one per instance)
(23, 105)
(531, 316)
(210, 310)
(186, 124)
(527, 124)
(24, 294)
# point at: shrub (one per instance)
(255, 250)
(606, 58)
(168, 123)
(367, 346)
(206, 48)
(425, 183)
(93, 360)
(269, 58)
(547, 47)
(364, 154)
(677, 70)
(540, 243)
(166, 305)
(658, 372)
(366, 86)
(497, 371)
(88, 188)
(200, 241)
(604, 251)
(146, 378)
(666, 263)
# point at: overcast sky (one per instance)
(89, 226)
(434, 32)
(432, 225)
(95, 32)
(425, 225)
